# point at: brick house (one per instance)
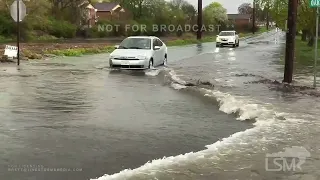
(111, 11)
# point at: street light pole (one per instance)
(316, 50)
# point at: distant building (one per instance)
(239, 19)
(111, 11)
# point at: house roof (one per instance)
(89, 6)
(86, 5)
(239, 16)
(106, 6)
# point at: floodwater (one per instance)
(213, 113)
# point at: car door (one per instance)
(237, 37)
(155, 52)
(156, 56)
(162, 51)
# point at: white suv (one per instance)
(227, 38)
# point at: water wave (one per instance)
(264, 116)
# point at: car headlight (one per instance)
(142, 57)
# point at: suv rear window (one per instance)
(226, 33)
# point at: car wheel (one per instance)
(165, 60)
(151, 64)
(235, 43)
(238, 43)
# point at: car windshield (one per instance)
(135, 43)
(226, 34)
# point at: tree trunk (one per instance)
(267, 20)
(140, 9)
(304, 35)
(311, 41)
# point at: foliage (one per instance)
(305, 17)
(277, 9)
(186, 39)
(7, 27)
(245, 8)
(261, 9)
(279, 12)
(215, 14)
(50, 19)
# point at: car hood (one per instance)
(131, 52)
(226, 37)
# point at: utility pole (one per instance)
(290, 40)
(199, 33)
(253, 16)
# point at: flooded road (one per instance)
(75, 113)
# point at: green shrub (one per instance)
(146, 27)
(53, 27)
(188, 35)
(241, 34)
(246, 28)
(7, 25)
(96, 32)
(106, 28)
(5, 39)
(62, 29)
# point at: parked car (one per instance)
(227, 38)
(139, 52)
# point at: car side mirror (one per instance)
(156, 48)
(217, 35)
(116, 46)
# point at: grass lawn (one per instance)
(305, 53)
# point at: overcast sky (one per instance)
(230, 5)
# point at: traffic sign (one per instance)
(314, 3)
(14, 11)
